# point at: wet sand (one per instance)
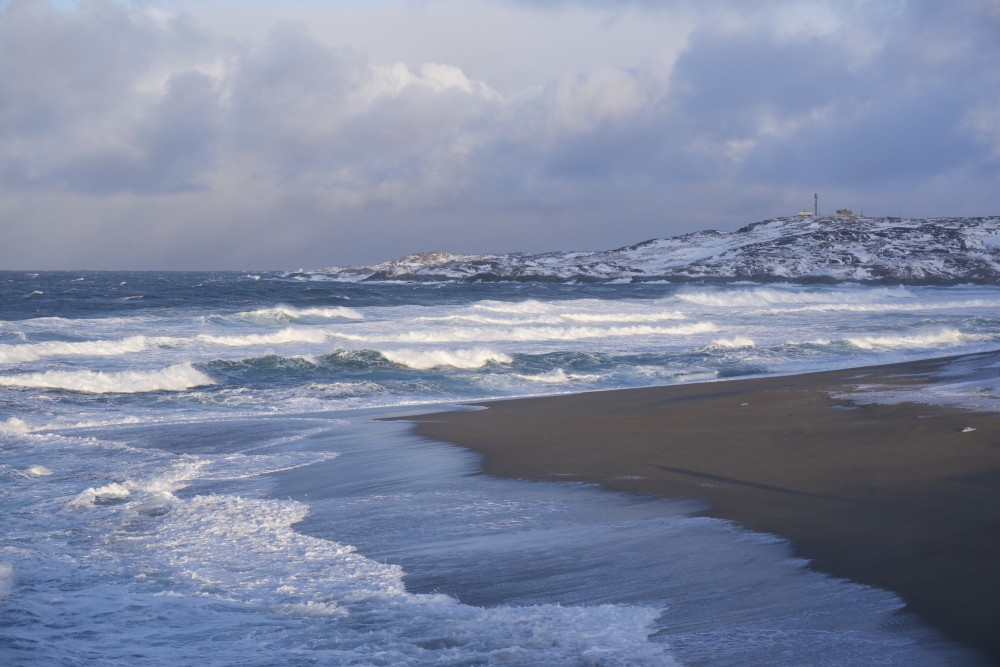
(894, 496)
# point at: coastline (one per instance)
(898, 496)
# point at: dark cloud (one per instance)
(724, 82)
(905, 139)
(75, 107)
(811, 111)
(132, 138)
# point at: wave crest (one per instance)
(11, 354)
(288, 335)
(734, 343)
(918, 339)
(763, 297)
(557, 376)
(288, 314)
(15, 426)
(529, 333)
(527, 306)
(173, 378)
(464, 359)
(597, 318)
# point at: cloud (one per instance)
(77, 113)
(140, 136)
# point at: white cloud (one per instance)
(579, 104)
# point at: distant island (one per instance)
(805, 249)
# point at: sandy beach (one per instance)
(905, 497)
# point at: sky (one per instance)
(304, 134)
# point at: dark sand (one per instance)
(894, 496)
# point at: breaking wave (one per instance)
(15, 426)
(557, 376)
(733, 343)
(924, 339)
(596, 318)
(529, 333)
(763, 297)
(560, 318)
(347, 389)
(11, 354)
(464, 359)
(285, 336)
(173, 378)
(267, 562)
(880, 307)
(289, 314)
(527, 306)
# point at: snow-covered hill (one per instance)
(863, 249)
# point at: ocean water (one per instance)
(194, 473)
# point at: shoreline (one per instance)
(897, 496)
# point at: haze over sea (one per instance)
(192, 473)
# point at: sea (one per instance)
(195, 470)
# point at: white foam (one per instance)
(623, 317)
(38, 471)
(346, 389)
(94, 495)
(557, 376)
(528, 333)
(816, 341)
(314, 608)
(612, 317)
(246, 466)
(283, 314)
(156, 491)
(701, 376)
(979, 394)
(482, 319)
(762, 297)
(918, 339)
(527, 306)
(283, 337)
(464, 359)
(733, 343)
(265, 563)
(15, 426)
(889, 307)
(587, 311)
(173, 378)
(97, 423)
(92, 348)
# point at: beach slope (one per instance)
(905, 497)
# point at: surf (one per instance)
(175, 378)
